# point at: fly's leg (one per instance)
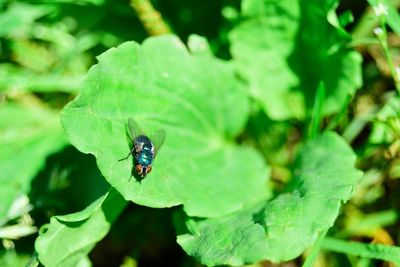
(130, 153)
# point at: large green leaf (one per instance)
(281, 229)
(199, 103)
(283, 49)
(68, 239)
(28, 134)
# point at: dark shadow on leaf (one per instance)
(144, 234)
(69, 182)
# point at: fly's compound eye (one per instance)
(139, 169)
(149, 168)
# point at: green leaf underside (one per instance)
(281, 229)
(68, 239)
(35, 134)
(283, 49)
(201, 106)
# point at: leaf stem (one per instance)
(151, 19)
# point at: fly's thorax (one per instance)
(142, 141)
(145, 153)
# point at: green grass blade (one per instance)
(335, 122)
(315, 250)
(374, 251)
(317, 111)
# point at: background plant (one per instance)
(276, 112)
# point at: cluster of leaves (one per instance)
(278, 108)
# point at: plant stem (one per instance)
(383, 40)
(150, 18)
(372, 251)
(368, 21)
(309, 262)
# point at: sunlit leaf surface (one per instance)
(201, 106)
(281, 229)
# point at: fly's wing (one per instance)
(158, 138)
(134, 129)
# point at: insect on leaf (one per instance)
(164, 86)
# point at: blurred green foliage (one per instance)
(271, 111)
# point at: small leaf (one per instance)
(27, 136)
(198, 102)
(386, 127)
(19, 17)
(84, 214)
(68, 239)
(281, 229)
(198, 45)
(16, 231)
(9, 258)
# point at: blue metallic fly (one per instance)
(144, 149)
